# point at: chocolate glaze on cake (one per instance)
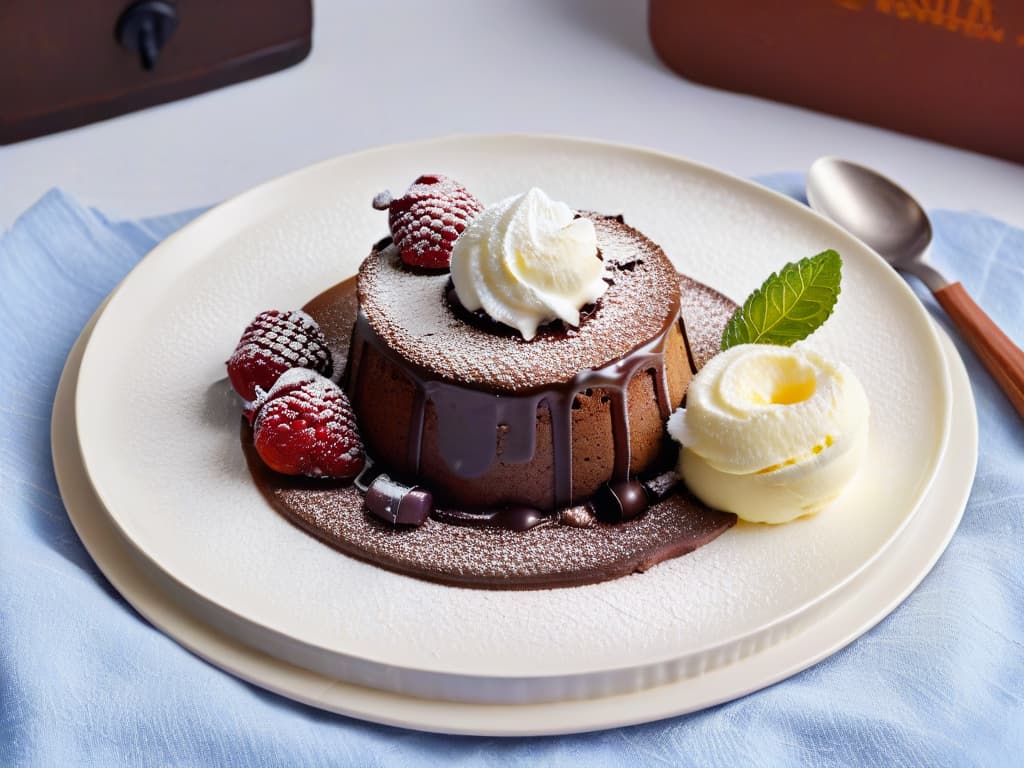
(571, 548)
(494, 420)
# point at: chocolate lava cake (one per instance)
(494, 420)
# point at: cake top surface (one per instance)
(411, 313)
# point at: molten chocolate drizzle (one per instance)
(469, 419)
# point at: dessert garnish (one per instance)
(273, 343)
(621, 501)
(305, 426)
(428, 218)
(773, 432)
(398, 504)
(789, 305)
(528, 260)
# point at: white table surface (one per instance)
(389, 72)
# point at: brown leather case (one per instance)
(950, 70)
(61, 66)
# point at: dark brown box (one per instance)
(950, 70)
(61, 65)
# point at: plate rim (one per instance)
(252, 665)
(257, 199)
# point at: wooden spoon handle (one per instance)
(1003, 358)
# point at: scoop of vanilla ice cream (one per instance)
(528, 260)
(771, 433)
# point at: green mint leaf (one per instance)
(790, 305)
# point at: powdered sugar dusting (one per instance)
(705, 312)
(271, 344)
(428, 218)
(410, 312)
(296, 377)
(305, 424)
(497, 557)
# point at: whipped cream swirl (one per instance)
(528, 260)
(771, 433)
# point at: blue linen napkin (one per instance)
(85, 681)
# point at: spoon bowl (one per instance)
(888, 219)
(876, 210)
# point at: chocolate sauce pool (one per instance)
(485, 550)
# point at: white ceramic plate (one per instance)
(865, 601)
(158, 433)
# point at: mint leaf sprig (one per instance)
(790, 305)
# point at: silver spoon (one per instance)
(886, 218)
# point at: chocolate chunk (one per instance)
(398, 504)
(661, 485)
(520, 518)
(618, 502)
(415, 507)
(580, 516)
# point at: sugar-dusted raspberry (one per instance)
(274, 342)
(305, 426)
(428, 218)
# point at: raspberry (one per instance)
(274, 342)
(305, 426)
(427, 219)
